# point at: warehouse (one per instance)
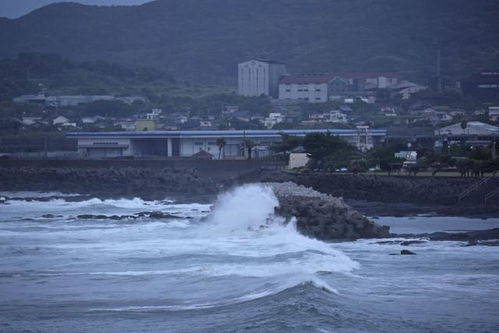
(189, 143)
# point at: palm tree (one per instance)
(249, 144)
(221, 145)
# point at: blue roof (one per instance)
(232, 133)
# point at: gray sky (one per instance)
(16, 8)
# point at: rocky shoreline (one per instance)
(322, 216)
(128, 182)
(370, 194)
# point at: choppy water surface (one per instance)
(230, 267)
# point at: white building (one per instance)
(471, 128)
(333, 116)
(298, 160)
(61, 120)
(320, 88)
(273, 119)
(406, 89)
(260, 77)
(188, 143)
(154, 114)
(307, 88)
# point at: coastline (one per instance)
(372, 195)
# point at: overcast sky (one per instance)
(16, 8)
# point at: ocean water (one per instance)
(230, 267)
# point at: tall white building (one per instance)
(260, 77)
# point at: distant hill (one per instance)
(34, 72)
(203, 40)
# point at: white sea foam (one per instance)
(245, 208)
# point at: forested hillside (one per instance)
(203, 40)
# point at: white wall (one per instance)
(310, 92)
(253, 78)
(257, 78)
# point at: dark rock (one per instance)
(48, 216)
(157, 215)
(412, 242)
(406, 252)
(390, 242)
(104, 217)
(322, 216)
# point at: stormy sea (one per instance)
(228, 267)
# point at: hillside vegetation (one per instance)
(203, 40)
(34, 72)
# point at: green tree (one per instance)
(287, 143)
(221, 146)
(327, 151)
(249, 145)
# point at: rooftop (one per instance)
(326, 77)
(224, 133)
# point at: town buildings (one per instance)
(474, 133)
(65, 101)
(188, 143)
(260, 77)
(320, 88)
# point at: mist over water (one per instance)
(230, 266)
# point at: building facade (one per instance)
(260, 77)
(321, 88)
(188, 143)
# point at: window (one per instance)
(288, 90)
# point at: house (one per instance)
(154, 114)
(28, 121)
(273, 119)
(337, 117)
(389, 112)
(60, 120)
(91, 120)
(333, 116)
(229, 109)
(69, 125)
(435, 116)
(406, 89)
(241, 116)
(205, 123)
(258, 77)
(298, 158)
